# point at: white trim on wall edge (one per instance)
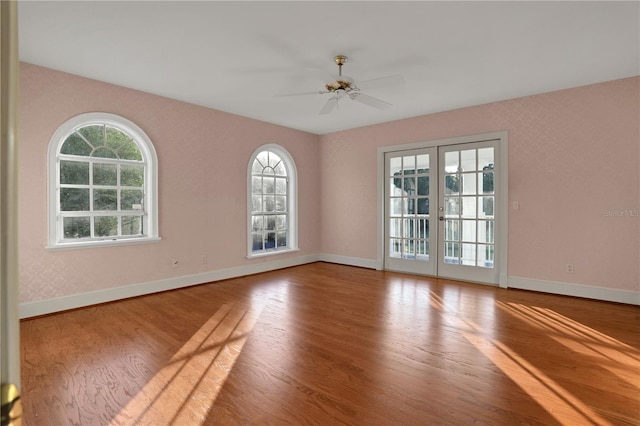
(58, 304)
(350, 261)
(576, 290)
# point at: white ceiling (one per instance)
(235, 56)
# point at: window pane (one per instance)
(485, 182)
(269, 203)
(451, 162)
(469, 207)
(257, 242)
(281, 203)
(263, 158)
(452, 230)
(423, 205)
(409, 164)
(485, 207)
(485, 158)
(394, 247)
(75, 145)
(485, 256)
(131, 175)
(423, 185)
(131, 199)
(256, 203)
(274, 160)
(451, 252)
(282, 239)
(270, 240)
(280, 169)
(281, 222)
(105, 226)
(74, 199)
(93, 134)
(105, 199)
(452, 184)
(281, 186)
(129, 150)
(256, 223)
(395, 227)
(395, 166)
(408, 230)
(451, 206)
(105, 174)
(117, 139)
(469, 183)
(423, 249)
(410, 186)
(485, 231)
(468, 160)
(469, 231)
(256, 184)
(256, 167)
(423, 228)
(469, 254)
(74, 173)
(270, 223)
(268, 185)
(131, 225)
(395, 185)
(422, 163)
(103, 152)
(76, 227)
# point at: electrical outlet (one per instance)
(570, 268)
(174, 263)
(204, 259)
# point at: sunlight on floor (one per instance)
(616, 357)
(186, 388)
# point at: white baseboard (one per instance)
(351, 261)
(576, 290)
(58, 304)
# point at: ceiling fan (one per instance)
(344, 87)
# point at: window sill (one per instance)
(102, 243)
(271, 253)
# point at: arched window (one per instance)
(102, 183)
(272, 212)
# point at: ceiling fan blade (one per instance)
(391, 80)
(331, 104)
(370, 100)
(316, 92)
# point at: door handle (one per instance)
(11, 405)
(441, 218)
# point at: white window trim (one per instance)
(292, 200)
(150, 185)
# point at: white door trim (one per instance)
(503, 205)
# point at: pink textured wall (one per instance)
(573, 167)
(573, 157)
(202, 155)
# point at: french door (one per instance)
(441, 211)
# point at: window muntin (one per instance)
(104, 185)
(271, 202)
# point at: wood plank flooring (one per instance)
(327, 344)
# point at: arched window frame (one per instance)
(292, 202)
(150, 185)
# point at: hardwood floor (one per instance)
(328, 344)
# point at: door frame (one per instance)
(9, 274)
(502, 206)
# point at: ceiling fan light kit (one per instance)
(345, 87)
